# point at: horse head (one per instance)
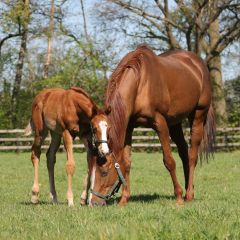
(100, 127)
(107, 176)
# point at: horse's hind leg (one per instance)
(161, 127)
(36, 152)
(70, 165)
(51, 160)
(197, 129)
(177, 136)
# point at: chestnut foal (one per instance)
(67, 114)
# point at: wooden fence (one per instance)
(143, 139)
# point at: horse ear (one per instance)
(94, 111)
(108, 110)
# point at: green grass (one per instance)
(150, 214)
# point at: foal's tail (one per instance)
(36, 122)
(29, 129)
(208, 141)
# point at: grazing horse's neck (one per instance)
(122, 105)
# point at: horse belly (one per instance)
(183, 100)
(53, 125)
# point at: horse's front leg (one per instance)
(163, 133)
(70, 165)
(126, 155)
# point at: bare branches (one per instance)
(11, 35)
(172, 40)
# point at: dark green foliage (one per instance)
(232, 88)
(69, 69)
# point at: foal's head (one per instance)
(107, 176)
(99, 131)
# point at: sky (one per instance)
(230, 65)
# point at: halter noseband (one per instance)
(121, 180)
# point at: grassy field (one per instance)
(150, 214)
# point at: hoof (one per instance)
(53, 199)
(83, 201)
(70, 203)
(34, 199)
(189, 197)
(180, 202)
(122, 203)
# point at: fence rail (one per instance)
(143, 138)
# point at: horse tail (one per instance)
(28, 129)
(208, 141)
(36, 123)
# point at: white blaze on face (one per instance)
(104, 146)
(92, 182)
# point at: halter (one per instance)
(95, 141)
(121, 180)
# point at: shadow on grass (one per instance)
(150, 197)
(28, 203)
(144, 198)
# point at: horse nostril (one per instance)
(104, 203)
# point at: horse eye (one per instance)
(104, 173)
(94, 130)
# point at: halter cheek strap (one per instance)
(121, 180)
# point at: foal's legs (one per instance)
(70, 165)
(197, 129)
(86, 180)
(51, 160)
(169, 162)
(177, 136)
(36, 152)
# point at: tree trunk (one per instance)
(50, 33)
(20, 62)
(214, 66)
(219, 103)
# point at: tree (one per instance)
(206, 27)
(49, 36)
(24, 20)
(232, 88)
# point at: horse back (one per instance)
(58, 109)
(189, 76)
(176, 83)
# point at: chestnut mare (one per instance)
(157, 92)
(67, 114)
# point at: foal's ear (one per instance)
(94, 111)
(107, 110)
